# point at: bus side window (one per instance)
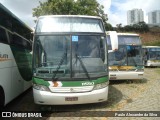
(21, 42)
(3, 36)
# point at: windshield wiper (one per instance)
(59, 65)
(83, 66)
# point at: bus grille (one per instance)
(71, 89)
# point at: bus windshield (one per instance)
(154, 53)
(69, 24)
(128, 53)
(69, 56)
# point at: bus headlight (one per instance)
(40, 87)
(100, 86)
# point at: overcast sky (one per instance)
(116, 9)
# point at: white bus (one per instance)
(15, 57)
(69, 60)
(151, 56)
(125, 56)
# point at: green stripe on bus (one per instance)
(84, 82)
(72, 83)
(101, 80)
(40, 81)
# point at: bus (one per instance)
(69, 60)
(151, 56)
(124, 56)
(15, 57)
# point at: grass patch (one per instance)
(158, 70)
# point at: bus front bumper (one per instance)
(49, 98)
(122, 75)
(153, 64)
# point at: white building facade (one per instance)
(135, 16)
(154, 18)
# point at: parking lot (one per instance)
(137, 95)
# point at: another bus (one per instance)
(15, 57)
(151, 56)
(69, 60)
(125, 56)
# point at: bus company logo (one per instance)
(56, 84)
(87, 83)
(3, 57)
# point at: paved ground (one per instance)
(141, 95)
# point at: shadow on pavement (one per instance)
(141, 81)
(23, 102)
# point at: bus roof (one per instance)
(126, 34)
(151, 46)
(132, 34)
(82, 16)
(74, 23)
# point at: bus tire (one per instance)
(2, 98)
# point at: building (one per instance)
(135, 16)
(154, 18)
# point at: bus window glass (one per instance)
(134, 40)
(3, 37)
(69, 25)
(86, 52)
(128, 53)
(134, 55)
(50, 51)
(19, 41)
(118, 57)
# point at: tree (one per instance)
(143, 27)
(139, 27)
(119, 27)
(54, 7)
(70, 7)
(108, 27)
(128, 28)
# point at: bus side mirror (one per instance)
(114, 39)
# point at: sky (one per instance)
(115, 9)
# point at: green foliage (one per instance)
(71, 7)
(139, 27)
(108, 27)
(54, 7)
(154, 43)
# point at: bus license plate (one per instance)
(71, 98)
